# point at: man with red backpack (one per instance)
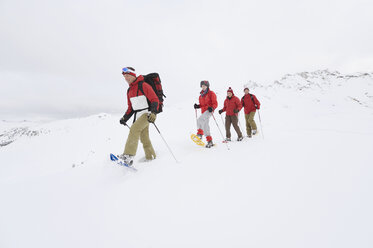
(232, 105)
(207, 104)
(144, 104)
(250, 104)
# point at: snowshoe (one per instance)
(120, 161)
(197, 140)
(128, 159)
(209, 144)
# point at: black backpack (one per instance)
(154, 81)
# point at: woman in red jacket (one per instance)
(207, 104)
(250, 104)
(232, 105)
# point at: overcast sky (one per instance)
(63, 58)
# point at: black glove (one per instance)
(124, 120)
(197, 106)
(154, 107)
(220, 111)
(210, 109)
(235, 111)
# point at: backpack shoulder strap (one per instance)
(252, 98)
(139, 87)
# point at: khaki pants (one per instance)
(250, 123)
(140, 131)
(232, 119)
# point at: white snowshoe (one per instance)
(128, 159)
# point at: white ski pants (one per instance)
(203, 123)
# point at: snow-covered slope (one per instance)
(307, 183)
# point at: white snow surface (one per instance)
(306, 183)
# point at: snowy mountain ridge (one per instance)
(9, 136)
(322, 85)
(320, 79)
(327, 74)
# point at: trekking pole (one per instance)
(260, 121)
(220, 130)
(165, 143)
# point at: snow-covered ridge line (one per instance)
(13, 134)
(30, 129)
(327, 74)
(322, 79)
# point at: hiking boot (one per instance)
(128, 159)
(209, 144)
(240, 138)
(255, 132)
(228, 139)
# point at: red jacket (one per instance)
(231, 104)
(248, 103)
(134, 95)
(208, 100)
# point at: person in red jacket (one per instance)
(232, 105)
(138, 105)
(250, 104)
(207, 104)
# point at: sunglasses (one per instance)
(126, 70)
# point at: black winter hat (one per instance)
(205, 82)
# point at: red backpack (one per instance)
(154, 81)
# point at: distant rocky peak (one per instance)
(320, 79)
